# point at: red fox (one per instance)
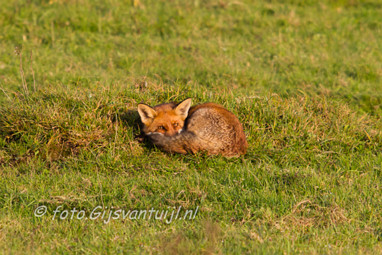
(207, 127)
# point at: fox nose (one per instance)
(171, 132)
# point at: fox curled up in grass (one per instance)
(207, 127)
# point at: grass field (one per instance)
(304, 78)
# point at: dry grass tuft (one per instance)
(307, 214)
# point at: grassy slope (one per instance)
(304, 78)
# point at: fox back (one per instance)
(208, 128)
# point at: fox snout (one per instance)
(165, 133)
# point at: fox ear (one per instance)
(183, 107)
(146, 113)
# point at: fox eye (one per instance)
(175, 124)
(161, 128)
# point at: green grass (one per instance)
(304, 78)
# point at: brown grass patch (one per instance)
(306, 214)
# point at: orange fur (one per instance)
(206, 128)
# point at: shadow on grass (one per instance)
(131, 119)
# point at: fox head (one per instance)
(166, 119)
